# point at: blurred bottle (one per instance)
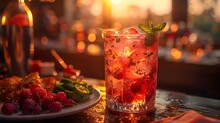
(17, 37)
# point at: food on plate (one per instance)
(33, 94)
(36, 100)
(75, 89)
(10, 87)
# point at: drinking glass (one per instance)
(130, 71)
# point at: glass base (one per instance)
(131, 108)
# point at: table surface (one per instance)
(168, 104)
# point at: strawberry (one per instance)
(9, 108)
(55, 106)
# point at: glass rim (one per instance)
(130, 35)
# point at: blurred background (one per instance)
(189, 54)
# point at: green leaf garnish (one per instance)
(150, 39)
(159, 27)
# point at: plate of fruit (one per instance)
(36, 98)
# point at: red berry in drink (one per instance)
(60, 96)
(136, 87)
(119, 74)
(9, 108)
(55, 106)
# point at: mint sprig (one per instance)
(151, 30)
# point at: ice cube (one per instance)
(137, 70)
(133, 30)
(130, 30)
(114, 65)
(109, 32)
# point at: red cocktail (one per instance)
(131, 64)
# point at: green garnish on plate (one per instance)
(151, 30)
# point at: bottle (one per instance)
(17, 37)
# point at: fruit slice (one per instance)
(82, 90)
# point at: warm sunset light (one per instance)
(3, 20)
(93, 49)
(174, 27)
(81, 46)
(116, 2)
(193, 38)
(176, 53)
(139, 8)
(44, 40)
(200, 52)
(92, 37)
(185, 40)
(80, 36)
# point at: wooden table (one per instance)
(168, 104)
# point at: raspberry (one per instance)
(39, 94)
(55, 106)
(9, 108)
(119, 74)
(49, 98)
(37, 109)
(34, 87)
(27, 106)
(136, 87)
(68, 102)
(25, 94)
(60, 96)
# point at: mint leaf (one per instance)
(151, 25)
(144, 28)
(151, 30)
(159, 27)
